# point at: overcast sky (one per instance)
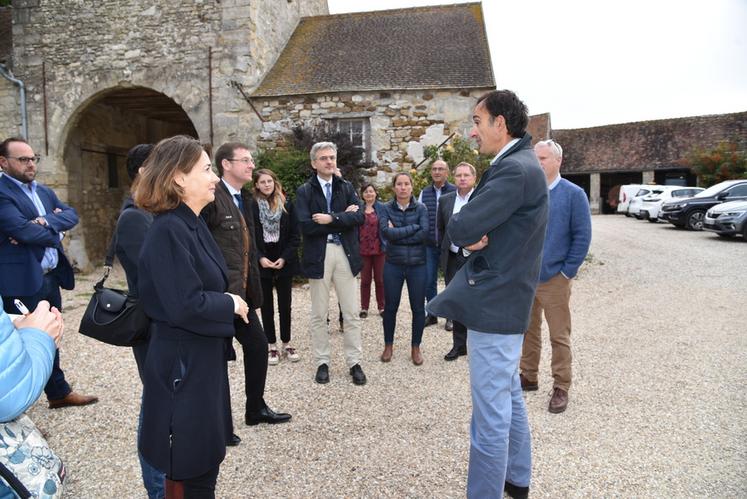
(592, 63)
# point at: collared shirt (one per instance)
(232, 191)
(554, 183)
(504, 149)
(51, 257)
(459, 201)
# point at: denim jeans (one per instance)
(432, 256)
(394, 277)
(500, 442)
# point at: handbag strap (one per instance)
(100, 285)
(14, 483)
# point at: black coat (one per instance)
(132, 226)
(310, 200)
(289, 241)
(186, 404)
(406, 240)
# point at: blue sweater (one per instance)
(26, 357)
(568, 231)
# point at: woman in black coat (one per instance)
(182, 282)
(278, 238)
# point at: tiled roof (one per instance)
(645, 145)
(405, 49)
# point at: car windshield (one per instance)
(713, 190)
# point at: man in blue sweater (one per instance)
(566, 244)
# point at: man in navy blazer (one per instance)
(502, 226)
(33, 265)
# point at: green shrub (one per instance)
(290, 165)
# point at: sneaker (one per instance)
(272, 357)
(291, 354)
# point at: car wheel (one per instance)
(695, 220)
(653, 220)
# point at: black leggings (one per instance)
(201, 487)
(283, 285)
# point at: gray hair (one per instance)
(554, 146)
(468, 165)
(321, 145)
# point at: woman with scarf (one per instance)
(278, 239)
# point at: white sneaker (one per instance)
(291, 353)
(272, 357)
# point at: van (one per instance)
(627, 192)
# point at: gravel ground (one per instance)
(658, 407)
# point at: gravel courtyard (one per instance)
(658, 407)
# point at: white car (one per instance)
(651, 204)
(626, 194)
(634, 205)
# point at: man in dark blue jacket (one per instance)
(503, 228)
(329, 214)
(33, 265)
(430, 197)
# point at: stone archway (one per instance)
(95, 152)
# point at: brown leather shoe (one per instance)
(528, 386)
(386, 355)
(417, 357)
(559, 401)
(73, 399)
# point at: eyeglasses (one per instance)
(246, 161)
(27, 160)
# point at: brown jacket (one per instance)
(234, 233)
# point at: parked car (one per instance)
(690, 212)
(651, 204)
(627, 192)
(727, 219)
(634, 207)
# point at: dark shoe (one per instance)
(73, 399)
(559, 401)
(233, 441)
(528, 386)
(416, 355)
(342, 327)
(267, 415)
(357, 373)
(430, 320)
(386, 355)
(363, 314)
(515, 491)
(455, 353)
(322, 374)
(449, 325)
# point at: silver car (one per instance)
(727, 219)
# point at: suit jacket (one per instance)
(445, 208)
(186, 407)
(494, 289)
(20, 264)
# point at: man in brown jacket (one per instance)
(231, 222)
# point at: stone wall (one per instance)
(402, 123)
(10, 114)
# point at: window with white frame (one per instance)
(358, 130)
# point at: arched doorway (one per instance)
(95, 154)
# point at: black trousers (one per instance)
(254, 345)
(453, 264)
(201, 487)
(284, 287)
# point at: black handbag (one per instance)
(114, 317)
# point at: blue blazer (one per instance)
(20, 264)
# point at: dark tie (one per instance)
(328, 195)
(240, 201)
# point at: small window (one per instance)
(358, 130)
(738, 191)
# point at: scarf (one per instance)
(270, 221)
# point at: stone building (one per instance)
(600, 159)
(102, 76)
(395, 80)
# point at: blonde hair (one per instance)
(277, 198)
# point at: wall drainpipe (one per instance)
(5, 72)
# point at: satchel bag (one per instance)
(27, 464)
(114, 317)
